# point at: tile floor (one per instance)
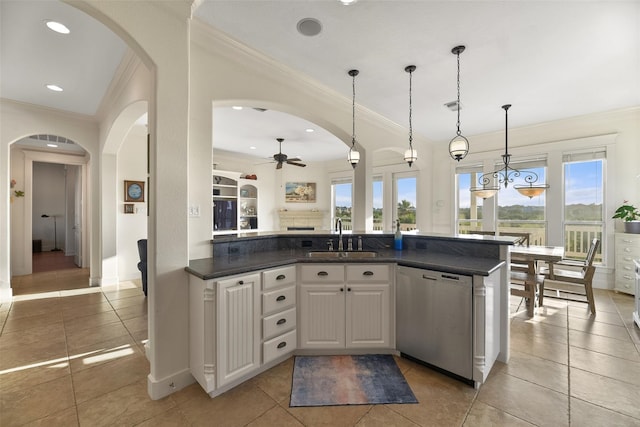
(75, 357)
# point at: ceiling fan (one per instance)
(282, 158)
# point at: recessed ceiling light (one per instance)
(252, 148)
(54, 88)
(57, 27)
(237, 107)
(348, 2)
(52, 145)
(309, 27)
(309, 130)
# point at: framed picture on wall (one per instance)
(300, 192)
(128, 208)
(134, 191)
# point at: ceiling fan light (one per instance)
(410, 156)
(458, 147)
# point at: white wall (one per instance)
(131, 166)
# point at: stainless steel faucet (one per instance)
(339, 229)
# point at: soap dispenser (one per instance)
(397, 240)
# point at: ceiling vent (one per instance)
(52, 138)
(453, 105)
(262, 110)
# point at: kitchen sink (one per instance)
(342, 254)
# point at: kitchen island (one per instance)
(262, 298)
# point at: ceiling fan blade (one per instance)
(294, 159)
(279, 165)
(289, 162)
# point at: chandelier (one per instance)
(490, 182)
(354, 155)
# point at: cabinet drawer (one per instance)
(628, 251)
(368, 273)
(279, 346)
(278, 299)
(322, 273)
(278, 323)
(627, 239)
(279, 277)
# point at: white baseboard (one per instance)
(6, 293)
(158, 389)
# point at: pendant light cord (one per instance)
(410, 112)
(353, 110)
(458, 82)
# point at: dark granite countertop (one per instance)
(210, 268)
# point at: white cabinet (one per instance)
(224, 329)
(346, 306)
(627, 249)
(238, 305)
(234, 201)
(279, 317)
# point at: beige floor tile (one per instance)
(42, 352)
(603, 364)
(192, 391)
(276, 382)
(124, 294)
(606, 392)
(228, 409)
(540, 330)
(129, 302)
(276, 416)
(592, 326)
(606, 345)
(383, 416)
(51, 333)
(65, 418)
(136, 324)
(82, 300)
(330, 416)
(24, 405)
(35, 307)
(27, 375)
(171, 418)
(482, 414)
(603, 317)
(129, 405)
(442, 400)
(107, 377)
(585, 414)
(98, 334)
(539, 347)
(539, 371)
(524, 400)
(74, 312)
(91, 321)
(135, 310)
(28, 322)
(103, 352)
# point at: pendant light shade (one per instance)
(353, 156)
(459, 145)
(411, 155)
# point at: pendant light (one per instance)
(353, 156)
(411, 155)
(506, 173)
(459, 145)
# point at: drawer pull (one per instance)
(281, 322)
(348, 289)
(322, 273)
(341, 289)
(281, 277)
(283, 344)
(368, 273)
(281, 298)
(241, 282)
(424, 276)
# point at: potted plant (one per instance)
(631, 217)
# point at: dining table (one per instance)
(533, 254)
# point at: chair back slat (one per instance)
(591, 253)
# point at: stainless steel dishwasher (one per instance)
(434, 319)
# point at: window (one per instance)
(520, 214)
(583, 203)
(405, 200)
(342, 202)
(469, 206)
(378, 203)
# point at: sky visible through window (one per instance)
(406, 191)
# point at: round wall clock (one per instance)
(134, 191)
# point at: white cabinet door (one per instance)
(238, 303)
(322, 318)
(367, 315)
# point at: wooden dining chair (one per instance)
(525, 283)
(582, 275)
